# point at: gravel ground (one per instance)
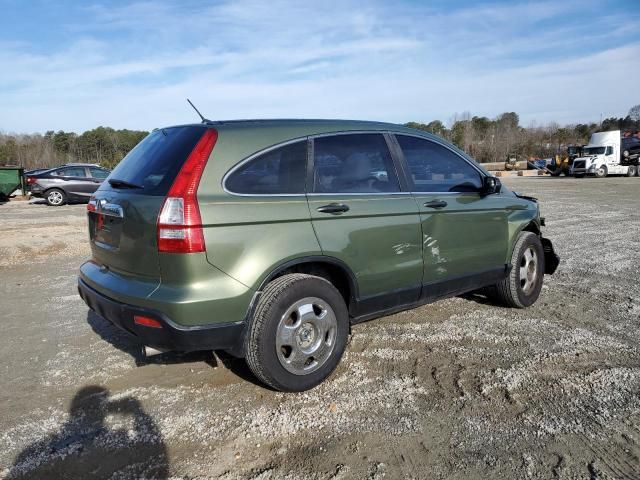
(457, 389)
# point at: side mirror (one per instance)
(491, 185)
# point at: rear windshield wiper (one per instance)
(116, 183)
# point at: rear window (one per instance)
(156, 160)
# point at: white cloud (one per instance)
(132, 67)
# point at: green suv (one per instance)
(269, 238)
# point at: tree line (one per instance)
(485, 139)
(493, 140)
(102, 145)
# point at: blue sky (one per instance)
(76, 65)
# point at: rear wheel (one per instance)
(601, 172)
(522, 287)
(298, 332)
(55, 197)
(631, 172)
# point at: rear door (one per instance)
(76, 181)
(464, 234)
(123, 225)
(361, 216)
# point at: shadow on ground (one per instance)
(102, 437)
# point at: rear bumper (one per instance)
(226, 336)
(551, 258)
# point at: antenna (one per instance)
(204, 120)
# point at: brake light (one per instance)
(179, 222)
(31, 180)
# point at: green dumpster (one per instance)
(11, 178)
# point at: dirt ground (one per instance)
(458, 389)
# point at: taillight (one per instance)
(179, 222)
(92, 205)
(31, 180)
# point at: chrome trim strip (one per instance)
(109, 209)
(361, 194)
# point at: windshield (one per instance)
(594, 151)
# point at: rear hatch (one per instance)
(123, 212)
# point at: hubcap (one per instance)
(528, 270)
(55, 198)
(306, 336)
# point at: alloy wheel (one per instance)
(528, 270)
(306, 334)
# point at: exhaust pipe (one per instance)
(147, 352)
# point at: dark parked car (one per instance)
(73, 182)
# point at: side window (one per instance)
(435, 168)
(609, 151)
(99, 173)
(71, 172)
(282, 170)
(353, 163)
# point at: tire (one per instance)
(298, 332)
(514, 291)
(601, 172)
(631, 172)
(55, 197)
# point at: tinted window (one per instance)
(71, 172)
(156, 160)
(435, 168)
(99, 173)
(358, 163)
(278, 171)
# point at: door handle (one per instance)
(333, 208)
(436, 204)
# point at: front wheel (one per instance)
(298, 332)
(522, 287)
(601, 172)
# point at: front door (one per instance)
(464, 233)
(361, 217)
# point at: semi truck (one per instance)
(607, 153)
